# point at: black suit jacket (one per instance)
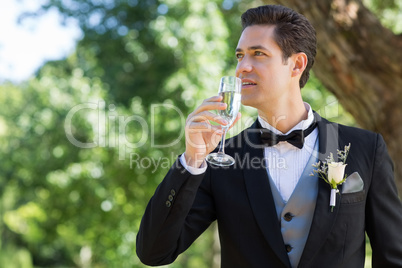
(240, 199)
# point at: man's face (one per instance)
(260, 65)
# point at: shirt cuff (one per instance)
(193, 170)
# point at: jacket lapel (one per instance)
(323, 219)
(259, 192)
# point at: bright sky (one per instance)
(26, 46)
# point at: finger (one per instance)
(206, 116)
(209, 135)
(237, 119)
(208, 106)
(213, 99)
(203, 127)
(213, 103)
(214, 141)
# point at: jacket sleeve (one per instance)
(171, 222)
(384, 212)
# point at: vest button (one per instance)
(288, 216)
(288, 248)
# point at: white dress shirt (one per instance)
(285, 163)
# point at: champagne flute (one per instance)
(229, 89)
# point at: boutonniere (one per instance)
(333, 172)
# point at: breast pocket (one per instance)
(352, 198)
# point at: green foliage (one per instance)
(83, 138)
(389, 12)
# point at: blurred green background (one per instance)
(86, 141)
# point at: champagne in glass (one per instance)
(232, 99)
(229, 89)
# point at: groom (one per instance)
(270, 211)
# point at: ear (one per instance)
(299, 63)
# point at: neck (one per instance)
(285, 115)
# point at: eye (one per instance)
(259, 53)
(239, 56)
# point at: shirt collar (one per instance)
(301, 125)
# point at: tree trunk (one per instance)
(359, 61)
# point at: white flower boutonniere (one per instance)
(333, 172)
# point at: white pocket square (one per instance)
(353, 184)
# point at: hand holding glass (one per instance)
(229, 89)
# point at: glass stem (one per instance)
(222, 144)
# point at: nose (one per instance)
(243, 66)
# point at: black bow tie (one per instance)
(296, 137)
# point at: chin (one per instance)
(249, 103)
(244, 102)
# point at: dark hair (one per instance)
(293, 32)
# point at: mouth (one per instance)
(248, 83)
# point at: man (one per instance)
(270, 212)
